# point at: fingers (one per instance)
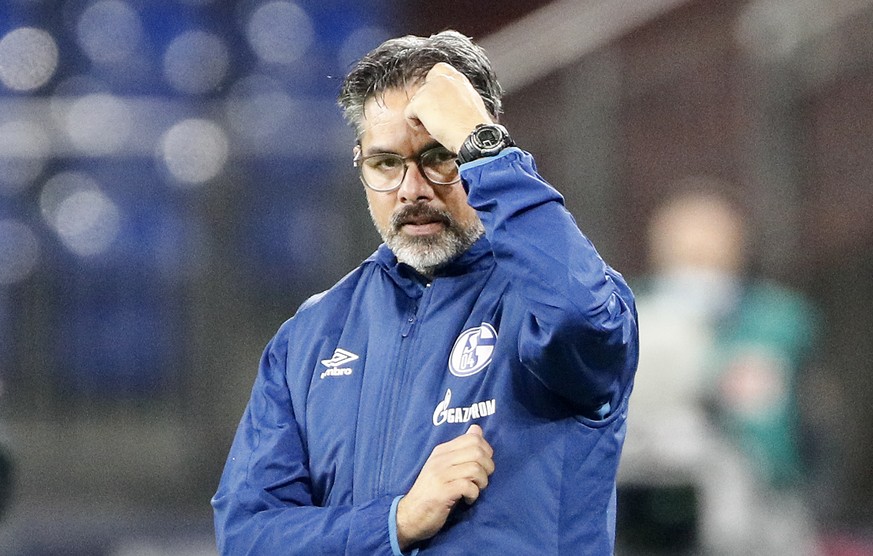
(475, 473)
(467, 461)
(469, 464)
(470, 446)
(471, 479)
(447, 106)
(464, 463)
(432, 81)
(410, 113)
(455, 470)
(468, 491)
(442, 68)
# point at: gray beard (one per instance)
(427, 253)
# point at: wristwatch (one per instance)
(486, 140)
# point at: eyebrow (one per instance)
(379, 150)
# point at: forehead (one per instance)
(384, 115)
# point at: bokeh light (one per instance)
(24, 147)
(68, 89)
(196, 62)
(359, 42)
(98, 124)
(259, 110)
(194, 151)
(109, 31)
(28, 58)
(19, 251)
(85, 219)
(280, 32)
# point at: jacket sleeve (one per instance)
(264, 503)
(579, 331)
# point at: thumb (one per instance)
(411, 117)
(475, 429)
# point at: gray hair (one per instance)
(402, 61)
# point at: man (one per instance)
(465, 389)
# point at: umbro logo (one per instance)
(336, 365)
(340, 357)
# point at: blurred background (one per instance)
(175, 179)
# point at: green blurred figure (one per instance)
(712, 463)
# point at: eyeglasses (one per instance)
(385, 172)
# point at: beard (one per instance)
(427, 253)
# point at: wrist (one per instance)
(460, 134)
(402, 526)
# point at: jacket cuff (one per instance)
(467, 166)
(368, 531)
(392, 530)
(487, 159)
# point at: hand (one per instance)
(454, 470)
(447, 106)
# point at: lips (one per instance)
(421, 220)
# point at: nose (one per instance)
(414, 186)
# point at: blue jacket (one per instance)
(529, 334)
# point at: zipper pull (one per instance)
(409, 323)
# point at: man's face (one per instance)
(425, 225)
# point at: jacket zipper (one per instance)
(398, 379)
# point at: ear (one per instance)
(356, 152)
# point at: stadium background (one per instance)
(175, 179)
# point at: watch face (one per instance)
(488, 138)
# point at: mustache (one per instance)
(420, 212)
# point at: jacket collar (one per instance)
(477, 257)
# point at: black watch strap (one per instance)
(486, 140)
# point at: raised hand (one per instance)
(447, 106)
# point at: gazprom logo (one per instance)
(472, 350)
(445, 413)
